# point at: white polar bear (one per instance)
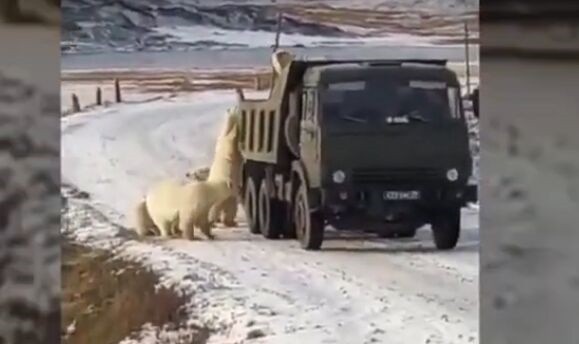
(143, 223)
(171, 207)
(226, 165)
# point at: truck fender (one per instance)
(314, 195)
(291, 127)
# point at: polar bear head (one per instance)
(227, 159)
(280, 60)
(229, 130)
(198, 174)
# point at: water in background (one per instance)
(255, 56)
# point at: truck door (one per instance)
(309, 136)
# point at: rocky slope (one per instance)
(129, 25)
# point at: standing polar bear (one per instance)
(172, 207)
(226, 165)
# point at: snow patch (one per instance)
(254, 39)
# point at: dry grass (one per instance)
(108, 300)
(138, 85)
(150, 80)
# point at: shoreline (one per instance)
(254, 57)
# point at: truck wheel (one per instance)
(270, 222)
(309, 226)
(446, 229)
(250, 206)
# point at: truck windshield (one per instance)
(380, 102)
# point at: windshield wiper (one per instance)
(417, 118)
(353, 119)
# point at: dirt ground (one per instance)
(106, 300)
(415, 22)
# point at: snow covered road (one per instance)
(353, 291)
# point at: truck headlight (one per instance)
(339, 177)
(452, 175)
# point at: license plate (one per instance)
(401, 195)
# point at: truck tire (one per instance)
(250, 206)
(446, 229)
(309, 225)
(269, 212)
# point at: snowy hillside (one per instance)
(168, 25)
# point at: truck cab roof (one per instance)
(356, 70)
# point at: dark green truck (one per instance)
(379, 146)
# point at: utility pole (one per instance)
(276, 44)
(278, 31)
(467, 57)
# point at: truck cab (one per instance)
(380, 146)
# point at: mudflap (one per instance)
(471, 193)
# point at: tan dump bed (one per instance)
(261, 119)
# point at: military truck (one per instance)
(374, 145)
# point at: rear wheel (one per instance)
(250, 205)
(270, 215)
(309, 226)
(446, 229)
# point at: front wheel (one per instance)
(446, 229)
(309, 226)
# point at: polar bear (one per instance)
(226, 165)
(173, 206)
(199, 174)
(143, 223)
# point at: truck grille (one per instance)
(383, 175)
